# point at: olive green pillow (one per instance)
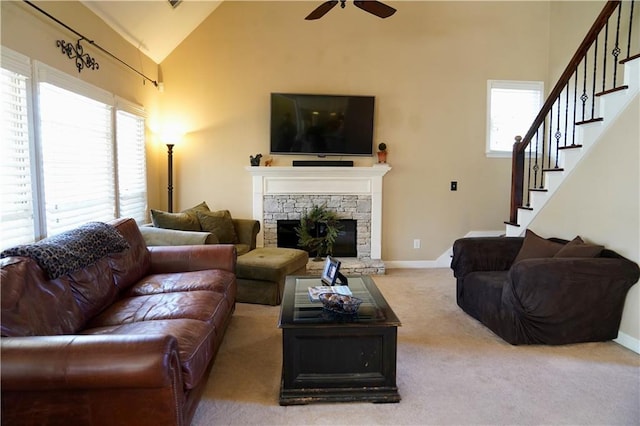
(220, 224)
(203, 207)
(186, 220)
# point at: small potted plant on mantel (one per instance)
(382, 152)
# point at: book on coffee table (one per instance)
(316, 291)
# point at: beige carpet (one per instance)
(451, 371)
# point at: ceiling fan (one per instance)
(377, 8)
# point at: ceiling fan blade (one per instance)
(375, 7)
(320, 11)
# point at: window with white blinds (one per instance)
(16, 191)
(132, 170)
(82, 160)
(77, 159)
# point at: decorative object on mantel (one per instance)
(60, 43)
(382, 152)
(318, 230)
(255, 161)
(83, 60)
(268, 162)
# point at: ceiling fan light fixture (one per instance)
(374, 7)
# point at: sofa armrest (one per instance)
(484, 254)
(89, 362)
(169, 259)
(172, 237)
(578, 297)
(247, 231)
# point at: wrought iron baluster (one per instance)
(584, 98)
(604, 56)
(535, 164)
(616, 50)
(595, 71)
(566, 115)
(558, 134)
(575, 107)
(630, 28)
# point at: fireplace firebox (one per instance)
(344, 246)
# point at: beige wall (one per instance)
(427, 66)
(29, 32)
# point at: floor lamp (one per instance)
(170, 177)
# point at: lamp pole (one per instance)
(170, 177)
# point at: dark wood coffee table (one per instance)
(328, 357)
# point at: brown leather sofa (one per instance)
(127, 340)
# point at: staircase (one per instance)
(608, 107)
(583, 104)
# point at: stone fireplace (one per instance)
(284, 193)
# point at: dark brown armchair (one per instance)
(541, 300)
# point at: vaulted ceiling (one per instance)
(156, 27)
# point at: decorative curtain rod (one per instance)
(82, 37)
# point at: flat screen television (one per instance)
(321, 125)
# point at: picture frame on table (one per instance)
(330, 271)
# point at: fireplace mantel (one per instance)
(322, 180)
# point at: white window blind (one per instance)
(77, 159)
(132, 176)
(84, 160)
(512, 107)
(16, 192)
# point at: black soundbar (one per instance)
(322, 163)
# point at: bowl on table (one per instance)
(340, 303)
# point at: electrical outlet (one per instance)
(454, 185)
(416, 244)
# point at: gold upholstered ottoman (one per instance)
(261, 273)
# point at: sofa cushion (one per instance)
(132, 264)
(198, 305)
(578, 248)
(534, 246)
(32, 305)
(220, 224)
(215, 280)
(92, 287)
(196, 342)
(172, 237)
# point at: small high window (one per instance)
(511, 108)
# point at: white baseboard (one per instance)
(444, 261)
(628, 342)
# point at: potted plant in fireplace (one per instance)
(319, 227)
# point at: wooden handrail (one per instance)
(591, 36)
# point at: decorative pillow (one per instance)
(535, 246)
(186, 220)
(220, 224)
(578, 248)
(180, 221)
(203, 207)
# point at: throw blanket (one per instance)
(72, 250)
